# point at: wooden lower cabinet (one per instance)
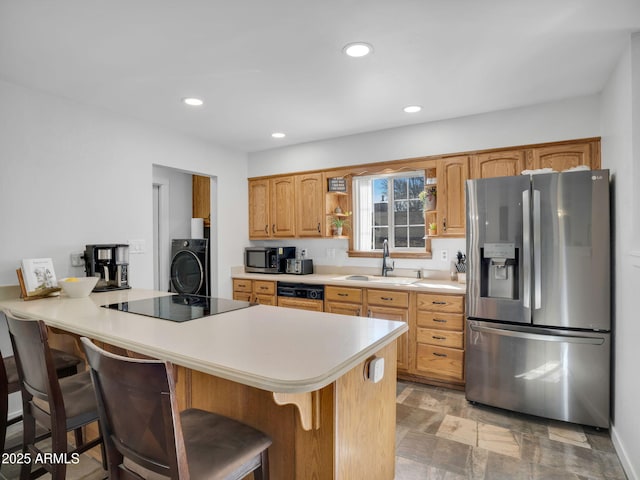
(256, 291)
(439, 338)
(392, 305)
(343, 300)
(301, 303)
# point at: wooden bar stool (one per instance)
(145, 435)
(66, 364)
(61, 405)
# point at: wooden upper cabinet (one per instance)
(498, 164)
(564, 156)
(201, 198)
(452, 174)
(283, 206)
(309, 205)
(259, 209)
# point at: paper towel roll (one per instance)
(197, 228)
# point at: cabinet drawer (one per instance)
(343, 308)
(241, 285)
(441, 303)
(441, 338)
(301, 303)
(264, 288)
(343, 294)
(443, 321)
(446, 363)
(391, 298)
(242, 296)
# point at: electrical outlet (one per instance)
(303, 252)
(77, 259)
(444, 255)
(137, 246)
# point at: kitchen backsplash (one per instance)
(329, 252)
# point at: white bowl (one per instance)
(79, 287)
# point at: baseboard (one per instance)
(623, 455)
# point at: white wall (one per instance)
(72, 175)
(563, 120)
(621, 154)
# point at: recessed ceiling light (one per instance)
(192, 101)
(278, 135)
(412, 109)
(357, 49)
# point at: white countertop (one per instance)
(391, 282)
(272, 348)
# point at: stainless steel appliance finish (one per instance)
(560, 374)
(267, 259)
(297, 266)
(110, 262)
(537, 287)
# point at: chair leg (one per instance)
(58, 446)
(77, 435)
(28, 439)
(262, 472)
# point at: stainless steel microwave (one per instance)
(267, 259)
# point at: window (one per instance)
(387, 206)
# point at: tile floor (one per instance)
(441, 436)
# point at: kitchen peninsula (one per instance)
(299, 376)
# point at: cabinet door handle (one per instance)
(358, 313)
(439, 320)
(266, 229)
(273, 228)
(264, 288)
(388, 299)
(438, 303)
(368, 313)
(444, 224)
(438, 338)
(318, 227)
(343, 294)
(439, 354)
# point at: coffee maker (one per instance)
(110, 262)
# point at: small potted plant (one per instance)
(428, 198)
(433, 229)
(339, 222)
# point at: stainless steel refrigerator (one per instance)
(538, 332)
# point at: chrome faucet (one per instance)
(385, 256)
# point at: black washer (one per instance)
(190, 266)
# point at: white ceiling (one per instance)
(263, 66)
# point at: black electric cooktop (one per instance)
(179, 308)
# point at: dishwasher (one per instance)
(302, 296)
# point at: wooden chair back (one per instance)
(36, 368)
(139, 414)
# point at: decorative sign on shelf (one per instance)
(337, 184)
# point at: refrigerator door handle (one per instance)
(526, 247)
(538, 336)
(537, 261)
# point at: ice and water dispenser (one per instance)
(499, 270)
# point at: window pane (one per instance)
(379, 235)
(416, 215)
(416, 185)
(401, 237)
(415, 236)
(400, 213)
(381, 190)
(400, 188)
(380, 214)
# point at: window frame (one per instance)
(363, 203)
